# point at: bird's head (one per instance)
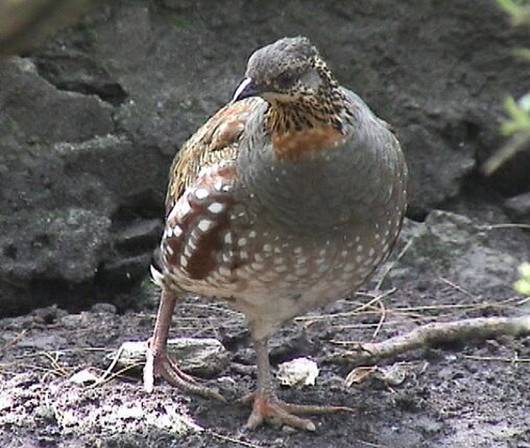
(284, 71)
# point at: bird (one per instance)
(287, 199)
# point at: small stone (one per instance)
(104, 308)
(393, 375)
(83, 377)
(205, 357)
(518, 208)
(298, 372)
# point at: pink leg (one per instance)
(267, 407)
(158, 362)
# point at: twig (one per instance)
(457, 287)
(433, 334)
(504, 226)
(470, 306)
(108, 373)
(497, 358)
(105, 379)
(393, 263)
(233, 440)
(13, 341)
(381, 320)
(373, 445)
(349, 313)
(54, 361)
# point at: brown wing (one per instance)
(217, 140)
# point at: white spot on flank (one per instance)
(359, 258)
(241, 242)
(157, 276)
(258, 257)
(252, 234)
(257, 266)
(267, 247)
(358, 238)
(169, 250)
(216, 207)
(280, 268)
(177, 230)
(279, 260)
(183, 209)
(228, 238)
(243, 255)
(298, 250)
(360, 248)
(201, 193)
(183, 261)
(371, 252)
(205, 225)
(344, 253)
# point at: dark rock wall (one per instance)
(90, 121)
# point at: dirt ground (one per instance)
(89, 125)
(468, 395)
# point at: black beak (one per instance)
(246, 89)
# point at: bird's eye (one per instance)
(285, 80)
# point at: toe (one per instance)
(270, 409)
(159, 364)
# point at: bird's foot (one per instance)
(159, 364)
(268, 408)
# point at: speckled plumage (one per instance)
(283, 203)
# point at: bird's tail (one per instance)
(157, 273)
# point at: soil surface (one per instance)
(472, 394)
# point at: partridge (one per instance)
(287, 199)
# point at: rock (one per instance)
(103, 308)
(89, 122)
(42, 343)
(518, 208)
(75, 71)
(83, 377)
(205, 357)
(298, 372)
(451, 246)
(34, 111)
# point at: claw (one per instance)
(268, 408)
(160, 364)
